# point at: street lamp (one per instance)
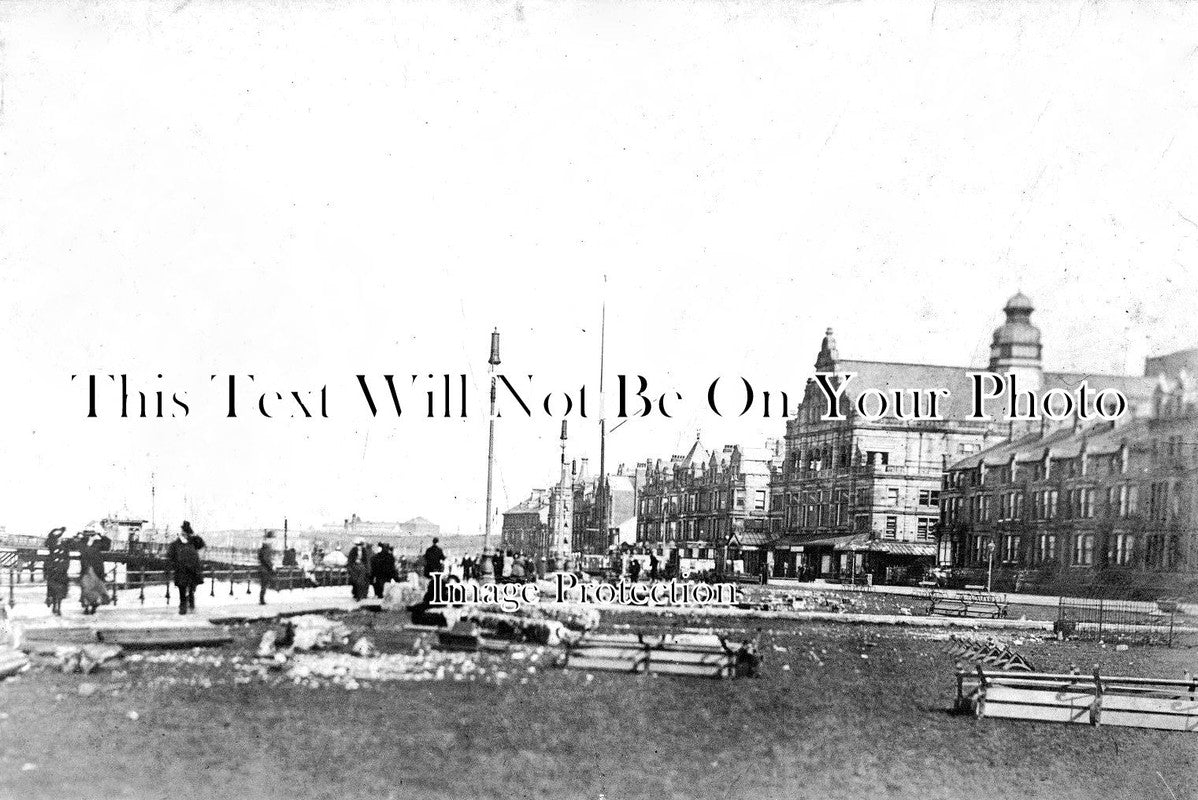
(487, 573)
(990, 565)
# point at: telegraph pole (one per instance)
(493, 362)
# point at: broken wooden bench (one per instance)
(695, 655)
(979, 605)
(1093, 699)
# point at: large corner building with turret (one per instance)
(862, 499)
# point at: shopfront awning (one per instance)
(749, 539)
(798, 543)
(861, 543)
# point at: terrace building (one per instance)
(599, 526)
(699, 506)
(526, 526)
(1089, 499)
(856, 497)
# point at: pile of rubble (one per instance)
(12, 660)
(545, 625)
(315, 652)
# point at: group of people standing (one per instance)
(506, 565)
(370, 567)
(91, 547)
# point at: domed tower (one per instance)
(1016, 345)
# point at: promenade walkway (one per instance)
(212, 605)
(1013, 598)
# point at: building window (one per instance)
(892, 497)
(891, 527)
(877, 458)
(1123, 548)
(1083, 550)
(924, 528)
(1085, 503)
(1011, 546)
(1047, 547)
(929, 497)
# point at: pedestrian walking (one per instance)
(358, 569)
(266, 566)
(56, 568)
(434, 558)
(92, 592)
(184, 558)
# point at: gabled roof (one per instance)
(889, 377)
(1062, 443)
(532, 505)
(697, 455)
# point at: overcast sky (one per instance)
(310, 191)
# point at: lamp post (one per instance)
(487, 571)
(990, 565)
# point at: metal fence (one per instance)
(1115, 620)
(147, 581)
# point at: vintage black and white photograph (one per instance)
(599, 399)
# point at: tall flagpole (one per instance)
(493, 361)
(602, 488)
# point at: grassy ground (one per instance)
(839, 711)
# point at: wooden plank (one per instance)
(608, 664)
(153, 638)
(1036, 713)
(610, 652)
(1173, 714)
(60, 635)
(657, 657)
(689, 670)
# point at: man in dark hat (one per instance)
(434, 558)
(184, 557)
(266, 566)
(382, 568)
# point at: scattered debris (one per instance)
(12, 662)
(267, 645)
(340, 667)
(463, 636)
(85, 658)
(363, 648)
(315, 632)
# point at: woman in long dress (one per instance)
(92, 592)
(57, 565)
